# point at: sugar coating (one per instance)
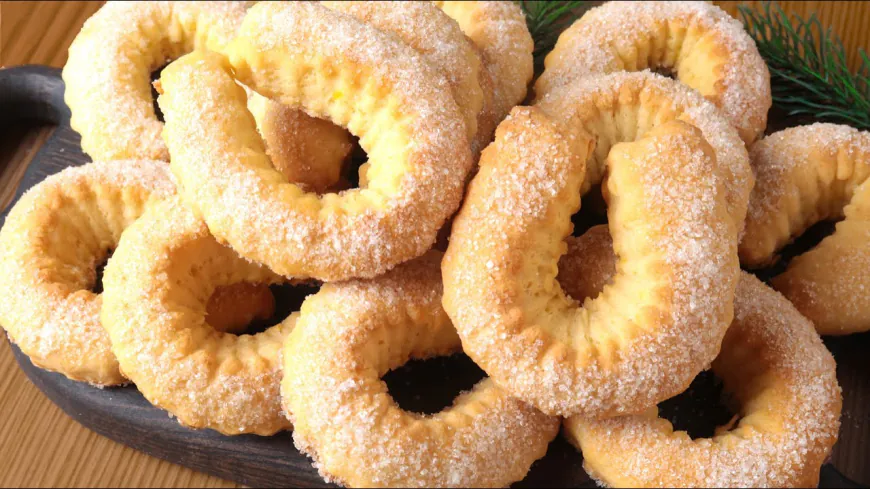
(348, 336)
(312, 152)
(706, 48)
(107, 74)
(783, 377)
(803, 175)
(499, 31)
(436, 37)
(157, 286)
(107, 78)
(51, 242)
(655, 328)
(806, 175)
(622, 106)
(380, 89)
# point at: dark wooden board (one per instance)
(35, 93)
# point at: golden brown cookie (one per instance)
(381, 89)
(498, 30)
(352, 333)
(649, 335)
(775, 369)
(157, 289)
(108, 72)
(622, 106)
(107, 77)
(806, 175)
(698, 42)
(50, 246)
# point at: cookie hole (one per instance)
(247, 309)
(430, 386)
(155, 75)
(593, 211)
(97, 287)
(701, 408)
(560, 467)
(805, 242)
(665, 72)
(358, 157)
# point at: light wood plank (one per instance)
(849, 20)
(40, 445)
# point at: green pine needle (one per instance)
(808, 69)
(546, 20)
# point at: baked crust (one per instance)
(407, 121)
(108, 72)
(51, 243)
(348, 336)
(705, 48)
(499, 32)
(773, 365)
(806, 175)
(623, 106)
(157, 286)
(659, 325)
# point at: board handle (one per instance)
(31, 95)
(831, 477)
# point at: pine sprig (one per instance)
(808, 68)
(546, 20)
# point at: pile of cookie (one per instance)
(246, 185)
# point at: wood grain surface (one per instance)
(39, 445)
(849, 20)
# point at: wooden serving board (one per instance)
(35, 94)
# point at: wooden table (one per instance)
(39, 445)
